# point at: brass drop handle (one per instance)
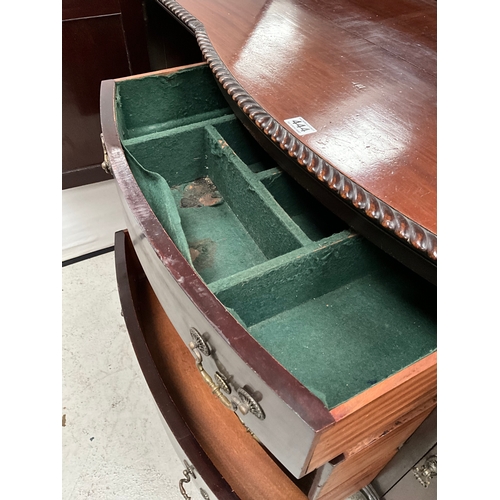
(208, 379)
(105, 164)
(187, 471)
(427, 471)
(244, 402)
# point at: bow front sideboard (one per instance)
(278, 270)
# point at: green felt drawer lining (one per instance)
(166, 102)
(250, 226)
(266, 221)
(338, 313)
(157, 191)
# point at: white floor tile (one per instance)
(114, 444)
(91, 215)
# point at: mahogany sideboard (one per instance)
(288, 341)
(308, 335)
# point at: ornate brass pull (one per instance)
(207, 378)
(187, 471)
(105, 164)
(427, 471)
(244, 402)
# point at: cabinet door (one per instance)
(93, 50)
(100, 40)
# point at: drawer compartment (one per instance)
(302, 207)
(210, 208)
(331, 339)
(227, 462)
(339, 316)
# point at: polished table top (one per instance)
(362, 74)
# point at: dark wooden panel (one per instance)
(136, 39)
(171, 44)
(93, 50)
(72, 9)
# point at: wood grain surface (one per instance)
(241, 460)
(363, 74)
(361, 466)
(410, 391)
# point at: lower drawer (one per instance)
(219, 448)
(222, 458)
(192, 479)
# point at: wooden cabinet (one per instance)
(279, 283)
(314, 350)
(102, 40)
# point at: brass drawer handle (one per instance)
(244, 402)
(426, 472)
(207, 378)
(187, 471)
(105, 164)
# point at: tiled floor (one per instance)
(114, 445)
(91, 214)
(113, 442)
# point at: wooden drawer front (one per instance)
(251, 309)
(228, 462)
(282, 431)
(192, 479)
(204, 434)
(358, 467)
(134, 291)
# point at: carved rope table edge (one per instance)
(375, 209)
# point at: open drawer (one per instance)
(318, 341)
(204, 435)
(221, 457)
